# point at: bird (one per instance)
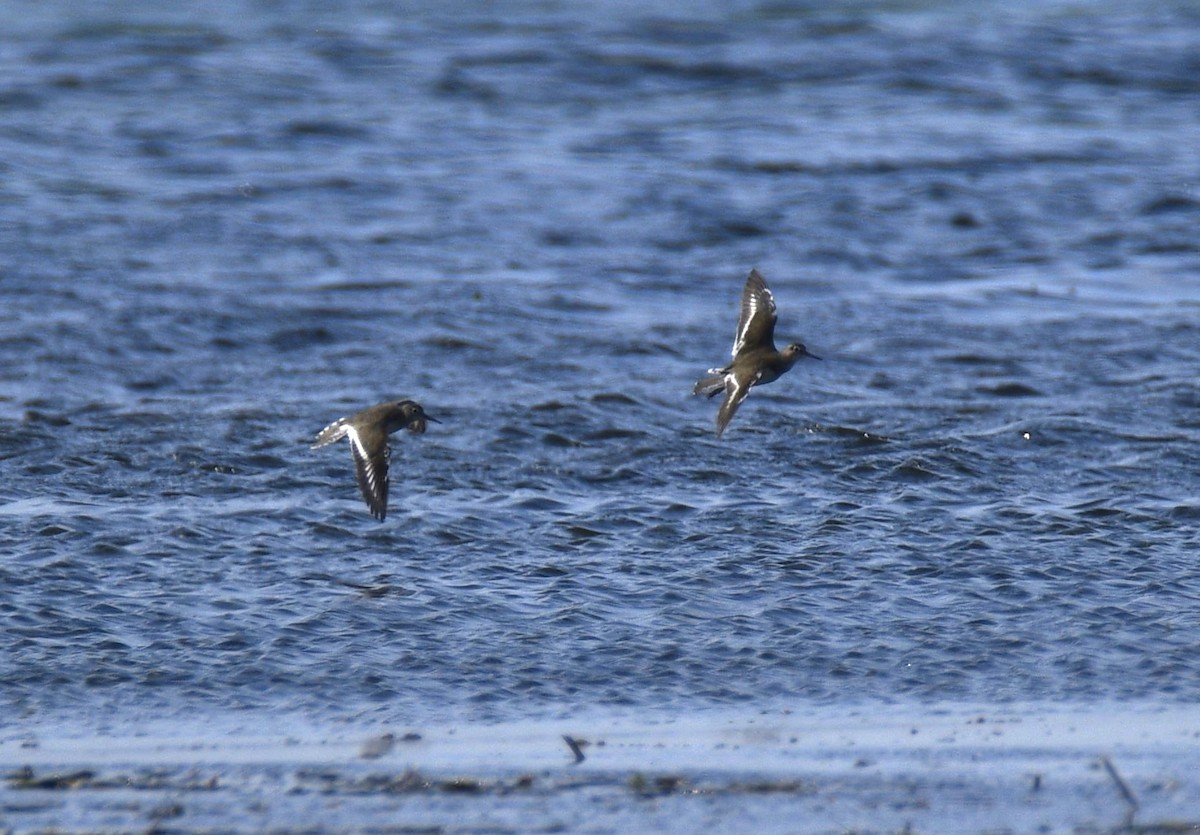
(368, 433)
(755, 360)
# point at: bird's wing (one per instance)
(756, 324)
(333, 432)
(371, 470)
(735, 392)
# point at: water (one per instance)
(223, 231)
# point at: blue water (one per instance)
(221, 229)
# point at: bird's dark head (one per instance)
(797, 351)
(412, 416)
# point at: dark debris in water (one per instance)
(189, 780)
(37, 416)
(855, 434)
(1011, 390)
(576, 746)
(641, 784)
(915, 470)
(410, 781)
(614, 397)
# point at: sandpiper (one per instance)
(755, 360)
(368, 433)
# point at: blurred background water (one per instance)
(223, 226)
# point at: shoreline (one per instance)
(945, 768)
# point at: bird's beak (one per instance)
(813, 356)
(417, 424)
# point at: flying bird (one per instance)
(755, 360)
(368, 432)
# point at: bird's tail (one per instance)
(710, 386)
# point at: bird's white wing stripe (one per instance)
(749, 313)
(333, 432)
(360, 452)
(753, 306)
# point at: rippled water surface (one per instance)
(223, 230)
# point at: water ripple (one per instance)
(537, 225)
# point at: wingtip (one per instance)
(756, 277)
(377, 506)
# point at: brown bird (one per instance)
(755, 360)
(368, 433)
